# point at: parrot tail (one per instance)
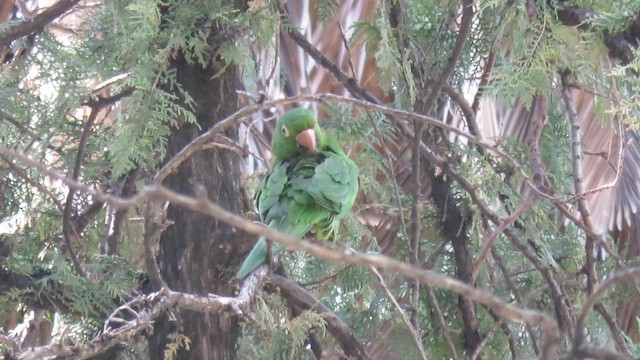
(257, 256)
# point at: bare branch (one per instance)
(488, 241)
(478, 351)
(198, 143)
(139, 314)
(37, 23)
(85, 189)
(585, 212)
(466, 109)
(589, 352)
(484, 81)
(24, 129)
(463, 33)
(517, 296)
(350, 83)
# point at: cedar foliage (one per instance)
(110, 93)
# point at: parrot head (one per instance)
(296, 132)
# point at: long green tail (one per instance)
(257, 256)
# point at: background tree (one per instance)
(499, 162)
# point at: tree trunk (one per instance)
(197, 253)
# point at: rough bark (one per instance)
(197, 253)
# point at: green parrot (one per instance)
(311, 182)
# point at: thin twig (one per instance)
(585, 211)
(345, 42)
(489, 334)
(16, 170)
(446, 331)
(484, 81)
(414, 240)
(616, 332)
(403, 315)
(247, 111)
(350, 83)
(467, 111)
(516, 294)
(391, 175)
(25, 130)
(488, 241)
(590, 352)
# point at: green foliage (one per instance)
(130, 45)
(626, 108)
(177, 341)
(325, 9)
(613, 17)
(635, 348)
(269, 336)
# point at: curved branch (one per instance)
(69, 230)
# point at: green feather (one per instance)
(303, 188)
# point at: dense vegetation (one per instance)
(498, 153)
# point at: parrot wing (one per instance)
(334, 188)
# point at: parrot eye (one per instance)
(285, 131)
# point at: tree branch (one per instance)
(585, 211)
(69, 230)
(155, 223)
(37, 23)
(518, 297)
(139, 314)
(350, 83)
(299, 296)
(578, 180)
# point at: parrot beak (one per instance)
(307, 140)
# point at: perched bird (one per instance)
(312, 182)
